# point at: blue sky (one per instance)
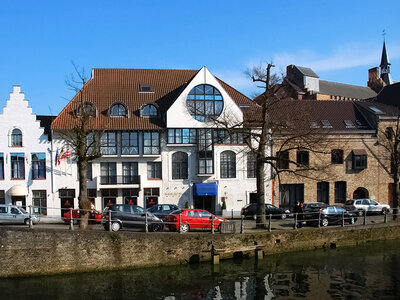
(339, 40)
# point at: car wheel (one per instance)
(324, 222)
(26, 221)
(115, 226)
(184, 227)
(156, 227)
(283, 216)
(360, 213)
(351, 220)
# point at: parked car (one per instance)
(12, 214)
(128, 215)
(192, 219)
(94, 217)
(311, 210)
(250, 211)
(333, 215)
(366, 205)
(160, 210)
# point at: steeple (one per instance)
(385, 66)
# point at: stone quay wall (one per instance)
(29, 252)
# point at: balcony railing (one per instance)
(120, 179)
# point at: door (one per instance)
(19, 201)
(206, 219)
(139, 217)
(16, 215)
(5, 215)
(323, 192)
(109, 201)
(193, 219)
(205, 202)
(66, 204)
(289, 194)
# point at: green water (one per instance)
(371, 271)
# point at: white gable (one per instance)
(178, 115)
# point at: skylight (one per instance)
(361, 124)
(145, 88)
(349, 124)
(314, 124)
(377, 110)
(326, 124)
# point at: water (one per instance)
(371, 271)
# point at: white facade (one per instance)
(25, 157)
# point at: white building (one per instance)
(161, 143)
(25, 156)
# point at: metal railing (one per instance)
(120, 179)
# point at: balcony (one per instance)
(121, 180)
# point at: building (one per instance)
(161, 141)
(25, 156)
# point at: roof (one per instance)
(45, 122)
(379, 109)
(345, 90)
(109, 86)
(390, 95)
(307, 71)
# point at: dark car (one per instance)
(311, 210)
(127, 215)
(160, 210)
(334, 215)
(250, 211)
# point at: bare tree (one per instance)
(84, 141)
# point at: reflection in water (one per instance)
(365, 272)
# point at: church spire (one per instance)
(385, 66)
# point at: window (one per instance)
(149, 111)
(205, 151)
(182, 136)
(39, 202)
(359, 161)
(16, 138)
(337, 156)
(323, 192)
(251, 165)
(224, 137)
(349, 124)
(118, 110)
(2, 197)
(205, 214)
(89, 171)
(87, 109)
(130, 143)
(130, 172)
(145, 88)
(1, 166)
(38, 165)
(154, 170)
(151, 143)
(340, 191)
(303, 158)
(204, 103)
(282, 162)
(228, 164)
(109, 143)
(17, 166)
(179, 165)
(326, 124)
(108, 173)
(389, 133)
(192, 213)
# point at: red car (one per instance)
(94, 217)
(192, 219)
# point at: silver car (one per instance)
(12, 214)
(366, 205)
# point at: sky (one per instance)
(340, 40)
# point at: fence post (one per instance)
(109, 220)
(319, 220)
(269, 222)
(242, 225)
(30, 217)
(71, 219)
(365, 217)
(180, 220)
(146, 227)
(232, 214)
(295, 221)
(343, 219)
(385, 216)
(212, 225)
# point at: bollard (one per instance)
(212, 225)
(180, 220)
(259, 254)
(232, 215)
(385, 216)
(30, 217)
(319, 220)
(242, 225)
(146, 227)
(343, 219)
(71, 219)
(295, 221)
(365, 217)
(215, 259)
(269, 222)
(109, 220)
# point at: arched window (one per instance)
(118, 110)
(87, 109)
(149, 111)
(204, 102)
(179, 165)
(228, 164)
(16, 138)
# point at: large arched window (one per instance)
(179, 165)
(16, 138)
(228, 164)
(149, 111)
(118, 110)
(204, 102)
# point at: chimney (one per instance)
(374, 81)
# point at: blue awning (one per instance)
(205, 189)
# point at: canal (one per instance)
(371, 271)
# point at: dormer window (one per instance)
(149, 111)
(326, 124)
(16, 138)
(118, 110)
(86, 109)
(145, 88)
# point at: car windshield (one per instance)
(349, 202)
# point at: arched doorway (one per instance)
(360, 193)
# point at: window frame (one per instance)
(118, 106)
(359, 162)
(16, 138)
(251, 165)
(106, 143)
(132, 145)
(149, 110)
(38, 165)
(303, 158)
(19, 163)
(179, 164)
(202, 105)
(41, 197)
(153, 144)
(228, 164)
(154, 168)
(282, 162)
(337, 156)
(1, 166)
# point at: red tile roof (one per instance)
(109, 86)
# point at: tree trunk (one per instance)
(395, 195)
(84, 203)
